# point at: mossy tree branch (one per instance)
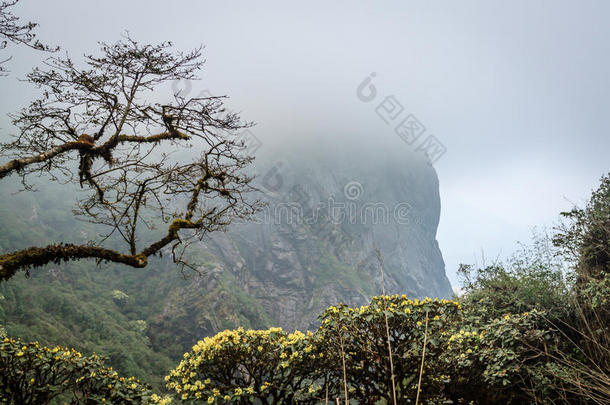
(39, 256)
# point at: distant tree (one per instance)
(13, 31)
(585, 238)
(96, 127)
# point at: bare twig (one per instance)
(344, 370)
(387, 327)
(423, 356)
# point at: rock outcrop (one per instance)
(314, 245)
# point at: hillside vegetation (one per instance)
(532, 330)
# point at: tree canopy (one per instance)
(95, 126)
(15, 32)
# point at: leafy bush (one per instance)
(32, 374)
(360, 335)
(242, 366)
(532, 278)
(271, 366)
(585, 238)
(504, 360)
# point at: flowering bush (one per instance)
(271, 366)
(360, 334)
(32, 374)
(467, 357)
(241, 367)
(503, 360)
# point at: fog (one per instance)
(517, 93)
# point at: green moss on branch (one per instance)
(39, 256)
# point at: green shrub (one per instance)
(359, 334)
(243, 366)
(32, 374)
(504, 360)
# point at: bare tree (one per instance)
(12, 31)
(95, 127)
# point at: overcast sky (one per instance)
(517, 92)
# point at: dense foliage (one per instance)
(239, 366)
(34, 374)
(360, 334)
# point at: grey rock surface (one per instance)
(314, 244)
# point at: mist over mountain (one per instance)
(314, 243)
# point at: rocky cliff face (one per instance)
(314, 245)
